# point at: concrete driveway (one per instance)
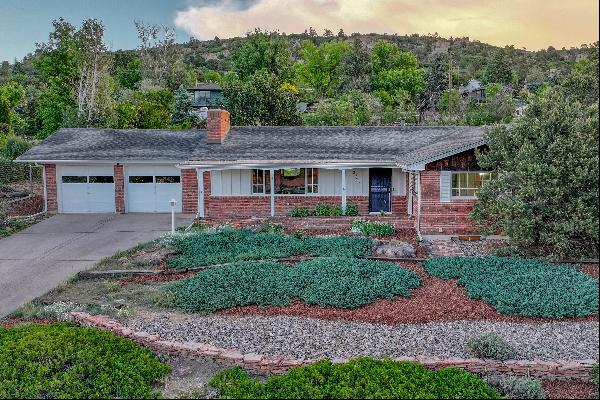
(41, 257)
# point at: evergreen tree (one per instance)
(498, 69)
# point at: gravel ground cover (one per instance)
(435, 300)
(312, 338)
(479, 247)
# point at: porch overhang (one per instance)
(281, 164)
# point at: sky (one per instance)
(534, 24)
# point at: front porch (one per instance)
(234, 191)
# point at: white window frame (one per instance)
(474, 196)
(309, 182)
(265, 175)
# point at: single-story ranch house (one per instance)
(428, 175)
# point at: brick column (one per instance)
(119, 189)
(51, 190)
(189, 191)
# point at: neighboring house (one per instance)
(474, 90)
(205, 96)
(424, 174)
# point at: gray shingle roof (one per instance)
(207, 86)
(116, 145)
(405, 145)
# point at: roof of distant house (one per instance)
(207, 86)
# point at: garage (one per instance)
(86, 189)
(151, 187)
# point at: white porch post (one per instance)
(272, 185)
(344, 191)
(200, 176)
(411, 190)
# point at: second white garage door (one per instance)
(150, 188)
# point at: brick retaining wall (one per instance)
(561, 370)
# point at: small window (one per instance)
(466, 184)
(141, 179)
(101, 179)
(167, 179)
(261, 181)
(74, 179)
(312, 180)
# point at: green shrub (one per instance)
(229, 245)
(361, 378)
(335, 282)
(64, 361)
(373, 228)
(513, 387)
(490, 345)
(300, 212)
(351, 210)
(595, 374)
(522, 286)
(323, 210)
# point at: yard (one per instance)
(258, 290)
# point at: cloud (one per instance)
(534, 24)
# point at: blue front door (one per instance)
(380, 189)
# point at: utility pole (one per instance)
(449, 83)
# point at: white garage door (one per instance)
(86, 189)
(150, 188)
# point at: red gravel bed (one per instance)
(569, 389)
(156, 278)
(435, 300)
(9, 323)
(590, 269)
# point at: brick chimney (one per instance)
(217, 124)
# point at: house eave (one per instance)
(279, 164)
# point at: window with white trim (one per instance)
(312, 180)
(466, 184)
(261, 182)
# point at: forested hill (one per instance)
(470, 56)
(75, 80)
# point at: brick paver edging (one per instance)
(562, 370)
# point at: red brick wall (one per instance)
(260, 206)
(447, 218)
(119, 188)
(217, 125)
(51, 190)
(189, 191)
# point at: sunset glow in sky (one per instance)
(534, 24)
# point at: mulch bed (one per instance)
(9, 323)
(435, 300)
(156, 278)
(590, 269)
(569, 389)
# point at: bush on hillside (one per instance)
(360, 378)
(522, 286)
(64, 361)
(490, 345)
(333, 282)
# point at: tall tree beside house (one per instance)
(73, 64)
(261, 99)
(397, 77)
(145, 109)
(355, 69)
(318, 68)
(263, 50)
(546, 195)
(498, 69)
(182, 109)
(436, 81)
(11, 95)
